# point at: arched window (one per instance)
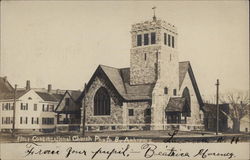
(102, 102)
(187, 108)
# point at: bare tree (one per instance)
(238, 107)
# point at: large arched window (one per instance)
(102, 102)
(187, 108)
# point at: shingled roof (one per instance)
(47, 97)
(74, 107)
(120, 79)
(175, 104)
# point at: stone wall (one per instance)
(115, 116)
(143, 69)
(139, 112)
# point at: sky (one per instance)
(63, 42)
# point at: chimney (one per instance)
(28, 85)
(49, 88)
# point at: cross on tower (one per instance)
(154, 17)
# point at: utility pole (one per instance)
(84, 110)
(14, 112)
(217, 106)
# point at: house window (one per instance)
(26, 120)
(43, 107)
(7, 120)
(52, 108)
(145, 56)
(153, 38)
(113, 127)
(21, 120)
(174, 92)
(131, 112)
(35, 107)
(24, 107)
(32, 120)
(48, 121)
(165, 90)
(169, 39)
(173, 41)
(37, 120)
(148, 112)
(66, 101)
(102, 102)
(165, 38)
(139, 40)
(146, 39)
(7, 106)
(102, 128)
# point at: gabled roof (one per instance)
(47, 97)
(75, 105)
(183, 68)
(10, 95)
(5, 86)
(175, 104)
(120, 81)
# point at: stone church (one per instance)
(157, 92)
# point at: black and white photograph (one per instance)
(124, 80)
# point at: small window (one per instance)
(174, 92)
(26, 120)
(37, 120)
(113, 127)
(43, 107)
(66, 101)
(139, 40)
(146, 39)
(21, 120)
(173, 41)
(153, 38)
(102, 128)
(131, 112)
(32, 120)
(145, 56)
(35, 107)
(169, 39)
(165, 38)
(148, 112)
(52, 108)
(165, 90)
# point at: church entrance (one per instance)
(173, 117)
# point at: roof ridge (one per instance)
(184, 62)
(124, 68)
(107, 66)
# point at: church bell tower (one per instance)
(154, 60)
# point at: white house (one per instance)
(34, 110)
